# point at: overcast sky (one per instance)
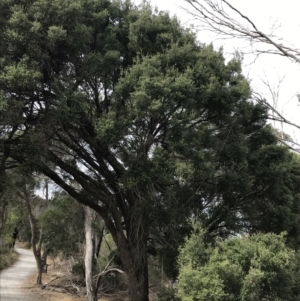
(264, 13)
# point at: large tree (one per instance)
(124, 102)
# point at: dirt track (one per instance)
(13, 278)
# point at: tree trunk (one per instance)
(44, 257)
(39, 269)
(138, 281)
(3, 215)
(98, 242)
(37, 254)
(134, 257)
(89, 253)
(35, 248)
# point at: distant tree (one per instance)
(34, 207)
(258, 267)
(3, 215)
(63, 224)
(13, 215)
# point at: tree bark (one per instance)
(134, 257)
(89, 253)
(138, 280)
(44, 257)
(35, 248)
(3, 215)
(98, 237)
(39, 269)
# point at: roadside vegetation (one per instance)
(8, 257)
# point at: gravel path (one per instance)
(12, 279)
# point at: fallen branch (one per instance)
(45, 285)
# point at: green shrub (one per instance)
(8, 257)
(27, 245)
(78, 270)
(167, 294)
(247, 268)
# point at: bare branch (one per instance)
(278, 117)
(227, 21)
(212, 16)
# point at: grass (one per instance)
(8, 257)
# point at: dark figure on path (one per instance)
(14, 237)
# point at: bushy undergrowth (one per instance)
(8, 258)
(256, 267)
(167, 294)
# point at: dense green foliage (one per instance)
(62, 225)
(259, 267)
(127, 112)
